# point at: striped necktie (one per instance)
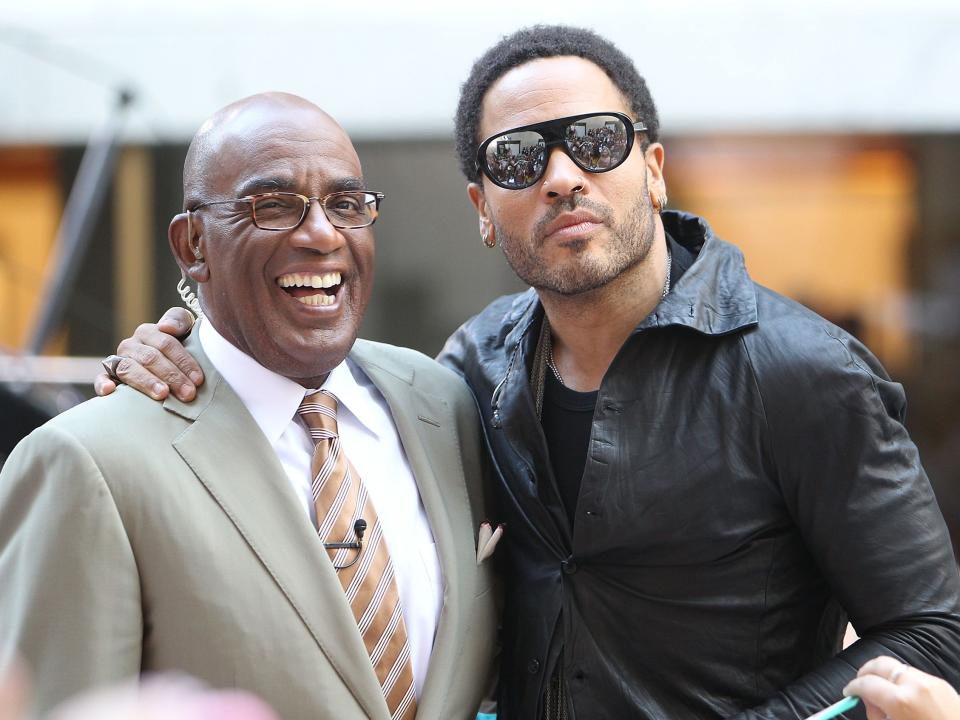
(341, 499)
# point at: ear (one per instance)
(653, 157)
(185, 235)
(479, 200)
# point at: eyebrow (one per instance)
(347, 183)
(276, 184)
(264, 184)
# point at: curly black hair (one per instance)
(544, 41)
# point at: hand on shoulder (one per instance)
(154, 361)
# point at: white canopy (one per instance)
(388, 69)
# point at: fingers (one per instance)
(875, 684)
(157, 362)
(103, 384)
(893, 690)
(154, 361)
(884, 666)
(879, 695)
(176, 321)
(147, 370)
(131, 371)
(186, 369)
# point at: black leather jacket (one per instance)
(749, 485)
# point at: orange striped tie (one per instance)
(341, 499)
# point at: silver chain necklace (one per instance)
(549, 341)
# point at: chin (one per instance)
(304, 360)
(320, 352)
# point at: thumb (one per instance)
(176, 321)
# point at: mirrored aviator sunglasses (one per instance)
(596, 142)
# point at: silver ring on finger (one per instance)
(110, 365)
(897, 672)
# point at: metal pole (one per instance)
(73, 236)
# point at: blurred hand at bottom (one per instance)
(890, 689)
(164, 697)
(13, 694)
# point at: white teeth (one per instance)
(317, 299)
(318, 282)
(327, 280)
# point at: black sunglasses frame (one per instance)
(553, 133)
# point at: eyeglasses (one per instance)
(286, 210)
(596, 142)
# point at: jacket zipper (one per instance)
(495, 397)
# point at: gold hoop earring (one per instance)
(488, 239)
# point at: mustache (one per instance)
(603, 212)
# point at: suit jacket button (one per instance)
(533, 667)
(569, 566)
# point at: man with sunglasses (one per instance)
(701, 480)
(306, 528)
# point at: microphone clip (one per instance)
(359, 528)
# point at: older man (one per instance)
(306, 528)
(702, 479)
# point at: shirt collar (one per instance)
(356, 394)
(272, 399)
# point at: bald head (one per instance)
(276, 147)
(231, 129)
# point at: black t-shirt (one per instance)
(567, 415)
(567, 418)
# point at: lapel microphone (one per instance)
(359, 528)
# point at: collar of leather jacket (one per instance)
(715, 296)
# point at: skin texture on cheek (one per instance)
(580, 267)
(267, 324)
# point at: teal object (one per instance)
(847, 703)
(486, 716)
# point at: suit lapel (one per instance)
(427, 431)
(229, 454)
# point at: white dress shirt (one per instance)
(369, 438)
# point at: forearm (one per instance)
(859, 497)
(930, 643)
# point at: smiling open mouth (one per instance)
(311, 289)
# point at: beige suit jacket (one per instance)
(138, 537)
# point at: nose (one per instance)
(562, 177)
(316, 232)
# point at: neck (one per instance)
(589, 329)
